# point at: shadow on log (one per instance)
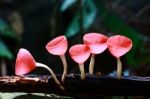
(74, 86)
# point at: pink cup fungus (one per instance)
(118, 46)
(58, 46)
(25, 63)
(80, 53)
(97, 43)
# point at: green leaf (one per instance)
(4, 51)
(66, 4)
(10, 95)
(73, 28)
(22, 95)
(89, 14)
(6, 30)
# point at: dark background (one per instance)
(30, 24)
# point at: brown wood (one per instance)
(74, 86)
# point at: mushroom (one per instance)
(25, 63)
(118, 46)
(97, 43)
(58, 46)
(80, 53)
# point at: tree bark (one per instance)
(74, 86)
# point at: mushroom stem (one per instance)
(119, 68)
(91, 66)
(63, 58)
(81, 67)
(52, 73)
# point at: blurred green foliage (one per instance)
(116, 25)
(66, 4)
(43, 20)
(31, 96)
(5, 52)
(6, 30)
(110, 20)
(86, 13)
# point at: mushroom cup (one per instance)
(118, 46)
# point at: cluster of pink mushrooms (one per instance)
(94, 43)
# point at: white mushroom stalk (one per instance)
(119, 68)
(81, 67)
(91, 66)
(52, 73)
(63, 58)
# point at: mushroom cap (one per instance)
(25, 63)
(119, 45)
(57, 46)
(79, 53)
(97, 42)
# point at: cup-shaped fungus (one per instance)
(80, 53)
(25, 63)
(58, 46)
(118, 46)
(97, 43)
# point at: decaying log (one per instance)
(92, 85)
